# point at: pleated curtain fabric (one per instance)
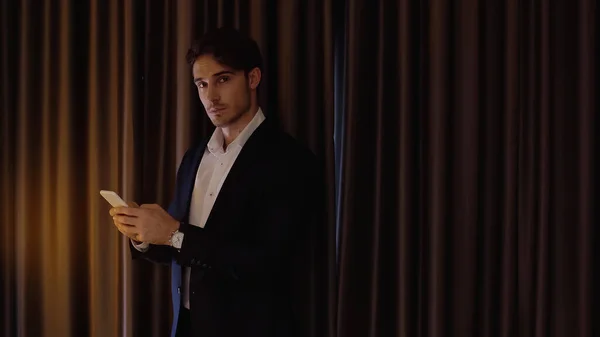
(98, 95)
(469, 193)
(466, 136)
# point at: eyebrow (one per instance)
(224, 72)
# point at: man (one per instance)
(244, 203)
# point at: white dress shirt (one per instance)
(211, 174)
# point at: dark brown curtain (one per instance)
(97, 95)
(469, 195)
(67, 72)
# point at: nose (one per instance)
(213, 94)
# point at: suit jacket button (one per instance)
(179, 290)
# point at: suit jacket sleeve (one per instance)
(284, 207)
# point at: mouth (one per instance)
(215, 110)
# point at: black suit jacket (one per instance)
(246, 261)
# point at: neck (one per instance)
(231, 131)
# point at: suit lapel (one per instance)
(190, 179)
(246, 158)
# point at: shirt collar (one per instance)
(215, 144)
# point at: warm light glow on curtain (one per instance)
(66, 271)
(97, 95)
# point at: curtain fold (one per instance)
(557, 278)
(64, 76)
(98, 95)
(8, 101)
(467, 185)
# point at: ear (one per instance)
(254, 77)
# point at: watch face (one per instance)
(177, 239)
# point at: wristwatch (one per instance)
(176, 238)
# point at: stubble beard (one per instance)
(218, 122)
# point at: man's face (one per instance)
(224, 92)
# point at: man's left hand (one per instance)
(153, 224)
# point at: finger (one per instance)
(133, 204)
(115, 211)
(126, 220)
(129, 231)
(126, 229)
(129, 211)
(150, 206)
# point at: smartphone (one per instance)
(113, 198)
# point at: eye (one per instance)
(223, 79)
(201, 84)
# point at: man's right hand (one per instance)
(127, 230)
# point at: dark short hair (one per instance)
(229, 47)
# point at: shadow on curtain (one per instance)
(468, 185)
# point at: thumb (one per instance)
(152, 206)
(133, 204)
